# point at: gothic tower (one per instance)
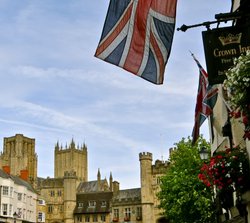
(71, 159)
(147, 198)
(19, 157)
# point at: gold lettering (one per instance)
(222, 53)
(244, 49)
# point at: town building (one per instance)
(70, 198)
(17, 199)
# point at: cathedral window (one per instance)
(5, 190)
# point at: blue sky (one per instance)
(54, 89)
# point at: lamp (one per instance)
(15, 216)
(203, 153)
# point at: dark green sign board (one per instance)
(221, 46)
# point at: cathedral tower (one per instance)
(19, 157)
(71, 159)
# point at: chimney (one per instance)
(24, 174)
(116, 187)
(6, 169)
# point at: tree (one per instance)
(183, 197)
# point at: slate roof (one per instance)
(98, 198)
(127, 196)
(92, 186)
(17, 180)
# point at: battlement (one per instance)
(146, 156)
(19, 138)
(160, 167)
(70, 174)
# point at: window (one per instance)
(80, 204)
(5, 190)
(92, 204)
(127, 213)
(41, 217)
(52, 193)
(158, 180)
(95, 218)
(19, 212)
(61, 208)
(10, 209)
(116, 213)
(138, 212)
(19, 196)
(24, 213)
(103, 203)
(103, 217)
(11, 191)
(5, 209)
(50, 209)
(59, 193)
(79, 218)
(87, 218)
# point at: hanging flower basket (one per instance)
(237, 85)
(227, 171)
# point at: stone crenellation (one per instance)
(146, 156)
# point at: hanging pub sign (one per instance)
(221, 46)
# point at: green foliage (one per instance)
(183, 197)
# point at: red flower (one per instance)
(245, 120)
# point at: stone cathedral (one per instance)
(70, 198)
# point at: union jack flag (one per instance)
(137, 36)
(206, 99)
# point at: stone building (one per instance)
(93, 201)
(69, 197)
(19, 157)
(59, 192)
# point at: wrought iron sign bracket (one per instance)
(222, 17)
